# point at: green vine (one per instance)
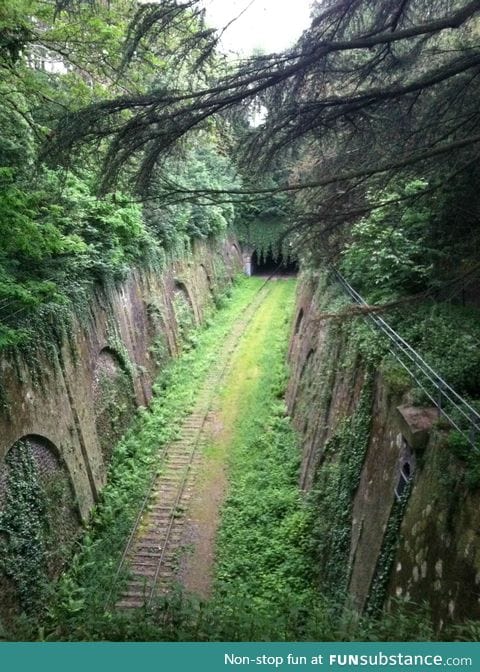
(183, 315)
(23, 527)
(159, 349)
(336, 482)
(379, 586)
(115, 408)
(116, 344)
(264, 236)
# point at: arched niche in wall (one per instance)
(303, 386)
(298, 321)
(206, 279)
(160, 334)
(183, 308)
(39, 522)
(306, 374)
(113, 399)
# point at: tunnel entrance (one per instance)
(267, 264)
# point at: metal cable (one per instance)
(443, 396)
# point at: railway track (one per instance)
(153, 548)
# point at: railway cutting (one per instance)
(156, 540)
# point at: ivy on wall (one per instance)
(117, 345)
(336, 482)
(114, 408)
(378, 589)
(38, 523)
(23, 528)
(159, 349)
(183, 314)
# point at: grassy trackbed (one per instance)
(262, 575)
(252, 459)
(255, 573)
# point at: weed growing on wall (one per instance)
(220, 298)
(114, 408)
(458, 446)
(183, 314)
(159, 349)
(116, 344)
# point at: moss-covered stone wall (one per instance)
(378, 536)
(80, 395)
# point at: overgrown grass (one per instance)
(262, 571)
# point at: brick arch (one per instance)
(114, 354)
(180, 286)
(298, 321)
(113, 398)
(35, 462)
(45, 453)
(207, 277)
(306, 362)
(182, 292)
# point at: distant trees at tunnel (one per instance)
(269, 263)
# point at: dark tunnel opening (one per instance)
(268, 264)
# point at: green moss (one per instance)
(458, 445)
(395, 376)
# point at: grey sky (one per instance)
(270, 25)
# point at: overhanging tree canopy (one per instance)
(371, 92)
